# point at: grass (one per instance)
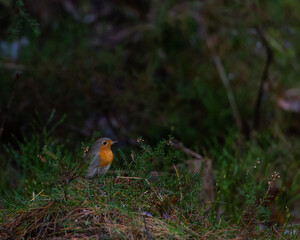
(150, 194)
(125, 207)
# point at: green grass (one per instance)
(150, 193)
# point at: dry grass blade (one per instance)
(229, 91)
(178, 177)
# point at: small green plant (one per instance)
(24, 24)
(159, 158)
(59, 167)
(25, 154)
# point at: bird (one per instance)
(100, 157)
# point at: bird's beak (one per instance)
(113, 142)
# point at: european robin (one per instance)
(101, 157)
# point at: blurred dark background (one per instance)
(151, 68)
(130, 68)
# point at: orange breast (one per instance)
(106, 157)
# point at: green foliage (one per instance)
(24, 25)
(58, 167)
(25, 155)
(161, 158)
(250, 192)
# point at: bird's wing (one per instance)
(92, 155)
(93, 167)
(93, 150)
(102, 171)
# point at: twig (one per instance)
(279, 235)
(228, 89)
(264, 77)
(36, 196)
(12, 66)
(182, 148)
(6, 109)
(137, 178)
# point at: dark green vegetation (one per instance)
(219, 76)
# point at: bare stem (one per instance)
(264, 77)
(179, 146)
(228, 89)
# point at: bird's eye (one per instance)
(104, 143)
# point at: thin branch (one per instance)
(12, 66)
(179, 146)
(278, 234)
(264, 78)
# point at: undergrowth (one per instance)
(147, 195)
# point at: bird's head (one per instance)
(105, 143)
